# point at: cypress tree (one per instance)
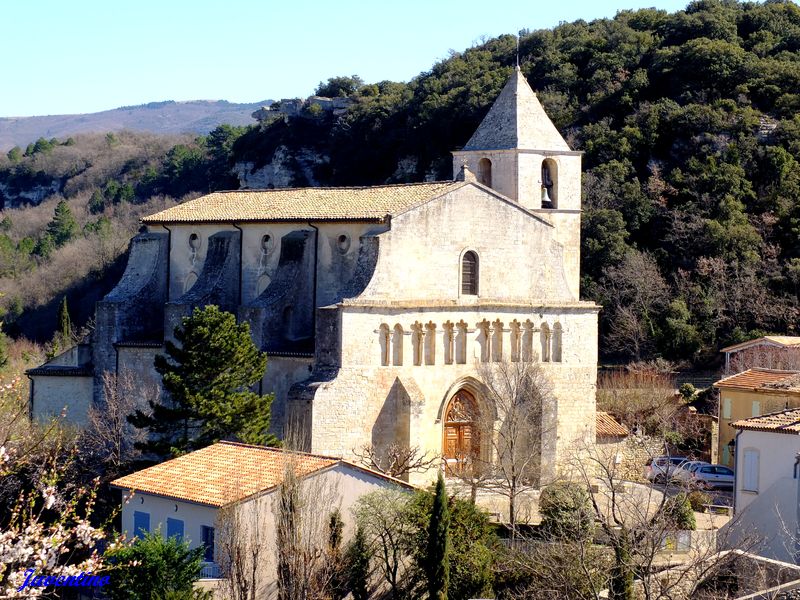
(64, 322)
(438, 555)
(207, 376)
(357, 561)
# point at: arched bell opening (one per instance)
(549, 183)
(485, 172)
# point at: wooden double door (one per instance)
(461, 444)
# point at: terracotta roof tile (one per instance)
(785, 421)
(607, 426)
(222, 473)
(761, 379)
(303, 204)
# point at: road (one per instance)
(718, 497)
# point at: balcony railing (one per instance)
(210, 570)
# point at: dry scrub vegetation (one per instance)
(77, 258)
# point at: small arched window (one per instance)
(485, 172)
(469, 274)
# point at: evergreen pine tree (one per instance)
(63, 227)
(438, 555)
(97, 203)
(207, 376)
(64, 322)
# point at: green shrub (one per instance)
(679, 510)
(153, 567)
(472, 545)
(698, 500)
(566, 510)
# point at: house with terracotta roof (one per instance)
(749, 394)
(198, 496)
(375, 305)
(766, 488)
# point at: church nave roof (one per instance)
(371, 203)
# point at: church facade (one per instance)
(379, 305)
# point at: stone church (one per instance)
(375, 305)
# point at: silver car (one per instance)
(712, 476)
(683, 474)
(661, 468)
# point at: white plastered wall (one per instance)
(777, 452)
(52, 394)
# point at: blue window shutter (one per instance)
(141, 523)
(175, 529)
(208, 543)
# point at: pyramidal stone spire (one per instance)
(516, 120)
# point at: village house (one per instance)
(223, 490)
(766, 490)
(749, 394)
(769, 351)
(376, 305)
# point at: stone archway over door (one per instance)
(461, 441)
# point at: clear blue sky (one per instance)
(78, 56)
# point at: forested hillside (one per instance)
(70, 207)
(688, 121)
(691, 136)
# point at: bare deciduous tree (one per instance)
(765, 357)
(647, 530)
(244, 545)
(519, 444)
(302, 510)
(633, 294)
(109, 434)
(397, 460)
(643, 398)
(382, 515)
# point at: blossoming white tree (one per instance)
(45, 529)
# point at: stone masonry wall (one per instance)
(420, 257)
(368, 402)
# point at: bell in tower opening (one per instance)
(547, 186)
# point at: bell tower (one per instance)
(518, 152)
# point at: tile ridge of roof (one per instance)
(756, 370)
(754, 421)
(333, 187)
(773, 413)
(274, 449)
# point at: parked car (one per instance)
(660, 468)
(683, 474)
(712, 476)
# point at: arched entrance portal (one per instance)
(461, 442)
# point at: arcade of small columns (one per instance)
(519, 340)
